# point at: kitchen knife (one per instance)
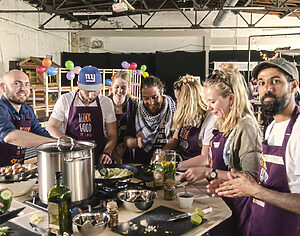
(9, 215)
(187, 214)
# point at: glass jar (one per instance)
(169, 190)
(112, 210)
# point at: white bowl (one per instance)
(19, 188)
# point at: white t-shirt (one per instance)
(207, 128)
(62, 108)
(292, 154)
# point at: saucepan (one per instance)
(75, 159)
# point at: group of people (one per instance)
(212, 126)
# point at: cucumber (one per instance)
(5, 198)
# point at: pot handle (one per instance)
(71, 159)
(61, 147)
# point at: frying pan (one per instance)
(19, 177)
(115, 181)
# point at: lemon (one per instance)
(196, 219)
(199, 212)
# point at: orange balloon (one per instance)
(47, 62)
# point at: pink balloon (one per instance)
(70, 75)
(40, 69)
(139, 72)
(77, 69)
(132, 66)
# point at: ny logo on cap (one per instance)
(90, 78)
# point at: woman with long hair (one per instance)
(193, 125)
(236, 142)
(125, 109)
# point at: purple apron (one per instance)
(122, 120)
(11, 154)
(240, 208)
(188, 142)
(86, 123)
(267, 219)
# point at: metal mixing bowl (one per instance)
(137, 200)
(91, 223)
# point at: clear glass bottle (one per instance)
(112, 210)
(169, 190)
(59, 208)
(158, 176)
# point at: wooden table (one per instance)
(219, 213)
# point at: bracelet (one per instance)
(107, 154)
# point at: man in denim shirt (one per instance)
(19, 127)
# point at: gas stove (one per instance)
(98, 201)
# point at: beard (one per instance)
(272, 108)
(14, 99)
(154, 109)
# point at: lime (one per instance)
(199, 212)
(196, 219)
(5, 198)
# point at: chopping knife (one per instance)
(9, 215)
(187, 214)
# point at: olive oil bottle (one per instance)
(59, 208)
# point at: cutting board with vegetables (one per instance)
(16, 230)
(157, 224)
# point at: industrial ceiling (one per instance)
(88, 12)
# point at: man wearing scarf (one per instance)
(153, 119)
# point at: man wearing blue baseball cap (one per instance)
(85, 114)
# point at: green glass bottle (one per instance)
(59, 208)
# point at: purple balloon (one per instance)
(125, 65)
(70, 75)
(139, 72)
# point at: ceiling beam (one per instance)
(46, 22)
(176, 28)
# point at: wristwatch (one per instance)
(213, 174)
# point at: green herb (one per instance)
(148, 170)
(4, 230)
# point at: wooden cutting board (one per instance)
(158, 217)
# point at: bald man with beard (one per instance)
(19, 127)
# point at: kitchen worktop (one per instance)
(219, 213)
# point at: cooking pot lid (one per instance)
(66, 146)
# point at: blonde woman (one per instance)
(236, 142)
(192, 124)
(125, 109)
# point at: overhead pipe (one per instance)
(223, 13)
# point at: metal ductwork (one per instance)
(223, 13)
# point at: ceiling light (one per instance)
(122, 5)
(243, 8)
(97, 13)
(119, 7)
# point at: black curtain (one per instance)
(171, 65)
(166, 66)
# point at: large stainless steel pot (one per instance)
(75, 159)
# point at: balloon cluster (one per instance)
(46, 67)
(133, 66)
(72, 69)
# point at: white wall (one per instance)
(196, 39)
(21, 38)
